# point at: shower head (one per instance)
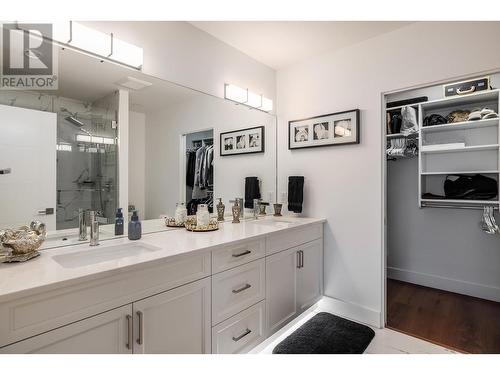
(73, 120)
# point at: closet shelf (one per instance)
(392, 109)
(459, 172)
(483, 96)
(401, 135)
(461, 201)
(465, 125)
(462, 149)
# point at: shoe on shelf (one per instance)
(474, 115)
(482, 114)
(490, 115)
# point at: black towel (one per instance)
(252, 191)
(295, 193)
(191, 161)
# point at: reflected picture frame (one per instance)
(242, 142)
(334, 129)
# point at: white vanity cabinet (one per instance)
(309, 274)
(294, 279)
(226, 299)
(106, 333)
(174, 322)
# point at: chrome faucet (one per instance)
(82, 225)
(256, 208)
(94, 229)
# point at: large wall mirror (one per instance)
(111, 137)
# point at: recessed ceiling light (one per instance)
(133, 83)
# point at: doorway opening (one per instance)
(442, 260)
(197, 170)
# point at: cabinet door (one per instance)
(177, 321)
(280, 288)
(309, 274)
(106, 333)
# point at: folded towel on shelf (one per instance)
(295, 193)
(252, 191)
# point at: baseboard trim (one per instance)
(488, 292)
(351, 311)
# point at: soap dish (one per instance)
(192, 226)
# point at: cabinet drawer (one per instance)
(236, 289)
(283, 241)
(241, 332)
(236, 255)
(31, 315)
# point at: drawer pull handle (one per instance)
(247, 331)
(236, 291)
(129, 332)
(241, 254)
(141, 328)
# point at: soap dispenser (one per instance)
(134, 227)
(119, 222)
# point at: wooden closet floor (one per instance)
(460, 322)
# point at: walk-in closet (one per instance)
(199, 157)
(442, 200)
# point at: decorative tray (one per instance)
(170, 222)
(192, 226)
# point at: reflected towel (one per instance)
(252, 191)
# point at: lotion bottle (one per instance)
(134, 227)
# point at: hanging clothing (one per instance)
(295, 193)
(190, 168)
(199, 171)
(206, 166)
(252, 191)
(198, 192)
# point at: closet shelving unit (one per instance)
(398, 109)
(479, 156)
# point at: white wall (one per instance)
(344, 183)
(184, 54)
(163, 133)
(137, 162)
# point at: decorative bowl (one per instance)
(25, 239)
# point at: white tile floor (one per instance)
(386, 341)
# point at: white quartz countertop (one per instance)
(44, 273)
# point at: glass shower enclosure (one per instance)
(87, 164)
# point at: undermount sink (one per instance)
(274, 221)
(101, 254)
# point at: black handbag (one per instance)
(477, 187)
(434, 119)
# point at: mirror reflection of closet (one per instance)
(198, 160)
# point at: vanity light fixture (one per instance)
(247, 97)
(235, 93)
(104, 46)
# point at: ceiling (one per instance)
(279, 44)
